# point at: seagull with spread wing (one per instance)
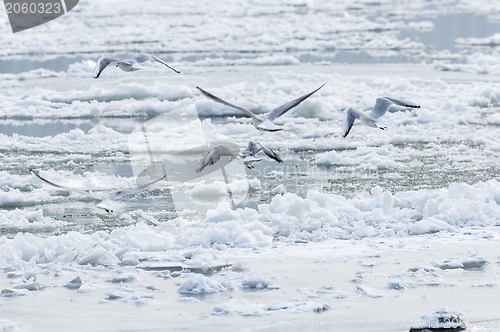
(107, 202)
(264, 121)
(370, 119)
(249, 155)
(137, 63)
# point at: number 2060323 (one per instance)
(33, 8)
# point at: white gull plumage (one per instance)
(107, 202)
(249, 155)
(264, 121)
(134, 64)
(382, 105)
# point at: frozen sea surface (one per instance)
(374, 232)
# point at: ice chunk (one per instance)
(199, 284)
(241, 307)
(463, 263)
(397, 284)
(256, 282)
(388, 201)
(329, 158)
(7, 292)
(442, 318)
(239, 266)
(430, 225)
(297, 306)
(32, 287)
(122, 278)
(370, 292)
(74, 283)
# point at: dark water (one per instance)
(442, 37)
(449, 27)
(16, 66)
(55, 127)
(57, 64)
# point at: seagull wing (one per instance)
(270, 153)
(349, 116)
(247, 161)
(381, 107)
(102, 63)
(268, 125)
(251, 159)
(401, 102)
(288, 106)
(133, 190)
(383, 104)
(214, 155)
(80, 191)
(217, 99)
(143, 57)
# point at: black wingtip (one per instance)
(347, 132)
(178, 72)
(269, 130)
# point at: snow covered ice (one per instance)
(378, 231)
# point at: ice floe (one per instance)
(245, 308)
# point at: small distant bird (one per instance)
(248, 155)
(134, 64)
(253, 149)
(370, 119)
(107, 202)
(264, 121)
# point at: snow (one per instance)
(475, 63)
(372, 228)
(430, 225)
(7, 325)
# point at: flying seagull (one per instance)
(107, 202)
(264, 121)
(134, 64)
(249, 155)
(382, 105)
(253, 149)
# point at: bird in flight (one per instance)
(137, 63)
(249, 155)
(264, 121)
(370, 119)
(104, 201)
